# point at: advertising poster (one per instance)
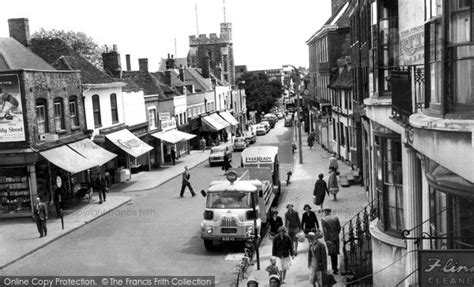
(12, 128)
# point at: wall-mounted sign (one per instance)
(164, 116)
(12, 126)
(412, 46)
(99, 139)
(168, 125)
(47, 137)
(446, 267)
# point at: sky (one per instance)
(266, 33)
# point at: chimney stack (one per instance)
(206, 67)
(127, 61)
(170, 62)
(143, 65)
(181, 74)
(112, 63)
(20, 30)
(168, 78)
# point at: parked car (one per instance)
(280, 115)
(250, 137)
(240, 144)
(266, 124)
(288, 121)
(217, 155)
(272, 119)
(260, 130)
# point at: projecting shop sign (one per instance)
(446, 267)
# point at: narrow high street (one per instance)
(144, 236)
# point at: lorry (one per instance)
(240, 204)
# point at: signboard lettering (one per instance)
(129, 144)
(446, 267)
(256, 159)
(412, 46)
(164, 116)
(12, 127)
(167, 125)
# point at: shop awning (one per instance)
(173, 136)
(220, 120)
(93, 152)
(129, 143)
(68, 159)
(229, 118)
(210, 125)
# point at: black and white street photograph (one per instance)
(237, 143)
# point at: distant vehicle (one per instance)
(272, 119)
(288, 121)
(250, 137)
(280, 115)
(240, 144)
(261, 130)
(266, 124)
(217, 155)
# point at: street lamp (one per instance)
(298, 123)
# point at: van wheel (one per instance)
(208, 244)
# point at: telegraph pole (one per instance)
(298, 114)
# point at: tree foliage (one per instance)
(80, 42)
(262, 94)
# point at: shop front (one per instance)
(225, 132)
(133, 153)
(231, 120)
(211, 130)
(171, 138)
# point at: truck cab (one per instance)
(234, 208)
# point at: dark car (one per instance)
(217, 155)
(288, 121)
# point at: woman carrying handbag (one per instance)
(333, 183)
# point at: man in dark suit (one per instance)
(185, 182)
(40, 215)
(100, 186)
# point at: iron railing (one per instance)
(408, 91)
(357, 247)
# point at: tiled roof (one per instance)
(149, 84)
(15, 56)
(178, 62)
(342, 80)
(62, 57)
(131, 85)
(193, 76)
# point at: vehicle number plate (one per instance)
(228, 238)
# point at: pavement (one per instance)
(350, 200)
(20, 238)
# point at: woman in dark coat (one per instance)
(226, 164)
(320, 190)
(275, 222)
(309, 221)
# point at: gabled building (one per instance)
(103, 103)
(329, 43)
(44, 145)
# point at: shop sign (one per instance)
(446, 267)
(164, 116)
(256, 159)
(168, 125)
(47, 137)
(12, 126)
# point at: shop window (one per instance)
(14, 192)
(59, 114)
(41, 116)
(113, 108)
(74, 117)
(451, 212)
(389, 184)
(96, 110)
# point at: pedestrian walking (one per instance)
(40, 215)
(331, 228)
(293, 225)
(311, 140)
(283, 249)
(100, 186)
(275, 222)
(320, 191)
(202, 144)
(309, 221)
(317, 259)
(333, 183)
(333, 163)
(185, 183)
(173, 155)
(226, 164)
(273, 269)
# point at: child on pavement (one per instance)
(272, 269)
